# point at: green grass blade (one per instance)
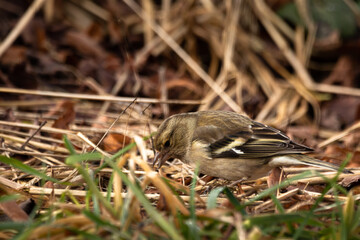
(7, 198)
(25, 168)
(269, 191)
(97, 219)
(191, 223)
(310, 214)
(121, 152)
(234, 201)
(13, 225)
(153, 213)
(84, 234)
(77, 158)
(211, 202)
(273, 219)
(115, 156)
(277, 203)
(69, 145)
(95, 191)
(281, 209)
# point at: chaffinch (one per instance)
(228, 145)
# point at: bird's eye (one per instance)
(167, 143)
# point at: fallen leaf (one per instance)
(344, 72)
(337, 154)
(355, 160)
(351, 181)
(340, 112)
(14, 211)
(66, 117)
(14, 55)
(161, 204)
(276, 175)
(85, 45)
(34, 34)
(95, 32)
(113, 142)
(352, 140)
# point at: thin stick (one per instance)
(95, 97)
(13, 151)
(33, 126)
(280, 197)
(163, 90)
(149, 128)
(35, 144)
(184, 56)
(23, 134)
(25, 19)
(340, 135)
(82, 193)
(29, 138)
(85, 139)
(261, 8)
(93, 9)
(321, 87)
(113, 123)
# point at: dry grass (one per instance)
(85, 189)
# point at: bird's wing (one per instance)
(254, 141)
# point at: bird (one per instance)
(229, 145)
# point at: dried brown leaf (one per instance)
(67, 116)
(114, 142)
(85, 45)
(14, 55)
(350, 182)
(344, 72)
(276, 175)
(339, 112)
(13, 211)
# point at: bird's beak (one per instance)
(160, 158)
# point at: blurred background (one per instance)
(83, 75)
(290, 64)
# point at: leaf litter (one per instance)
(238, 55)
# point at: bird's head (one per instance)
(173, 137)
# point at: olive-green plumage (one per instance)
(228, 145)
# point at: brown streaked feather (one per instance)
(228, 145)
(208, 134)
(211, 128)
(252, 140)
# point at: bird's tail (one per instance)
(301, 159)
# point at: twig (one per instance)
(183, 55)
(35, 144)
(336, 89)
(33, 153)
(85, 139)
(25, 19)
(93, 9)
(340, 135)
(113, 123)
(23, 134)
(95, 97)
(29, 138)
(83, 193)
(33, 126)
(261, 8)
(326, 197)
(280, 197)
(163, 90)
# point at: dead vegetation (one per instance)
(84, 85)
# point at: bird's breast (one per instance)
(227, 168)
(234, 169)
